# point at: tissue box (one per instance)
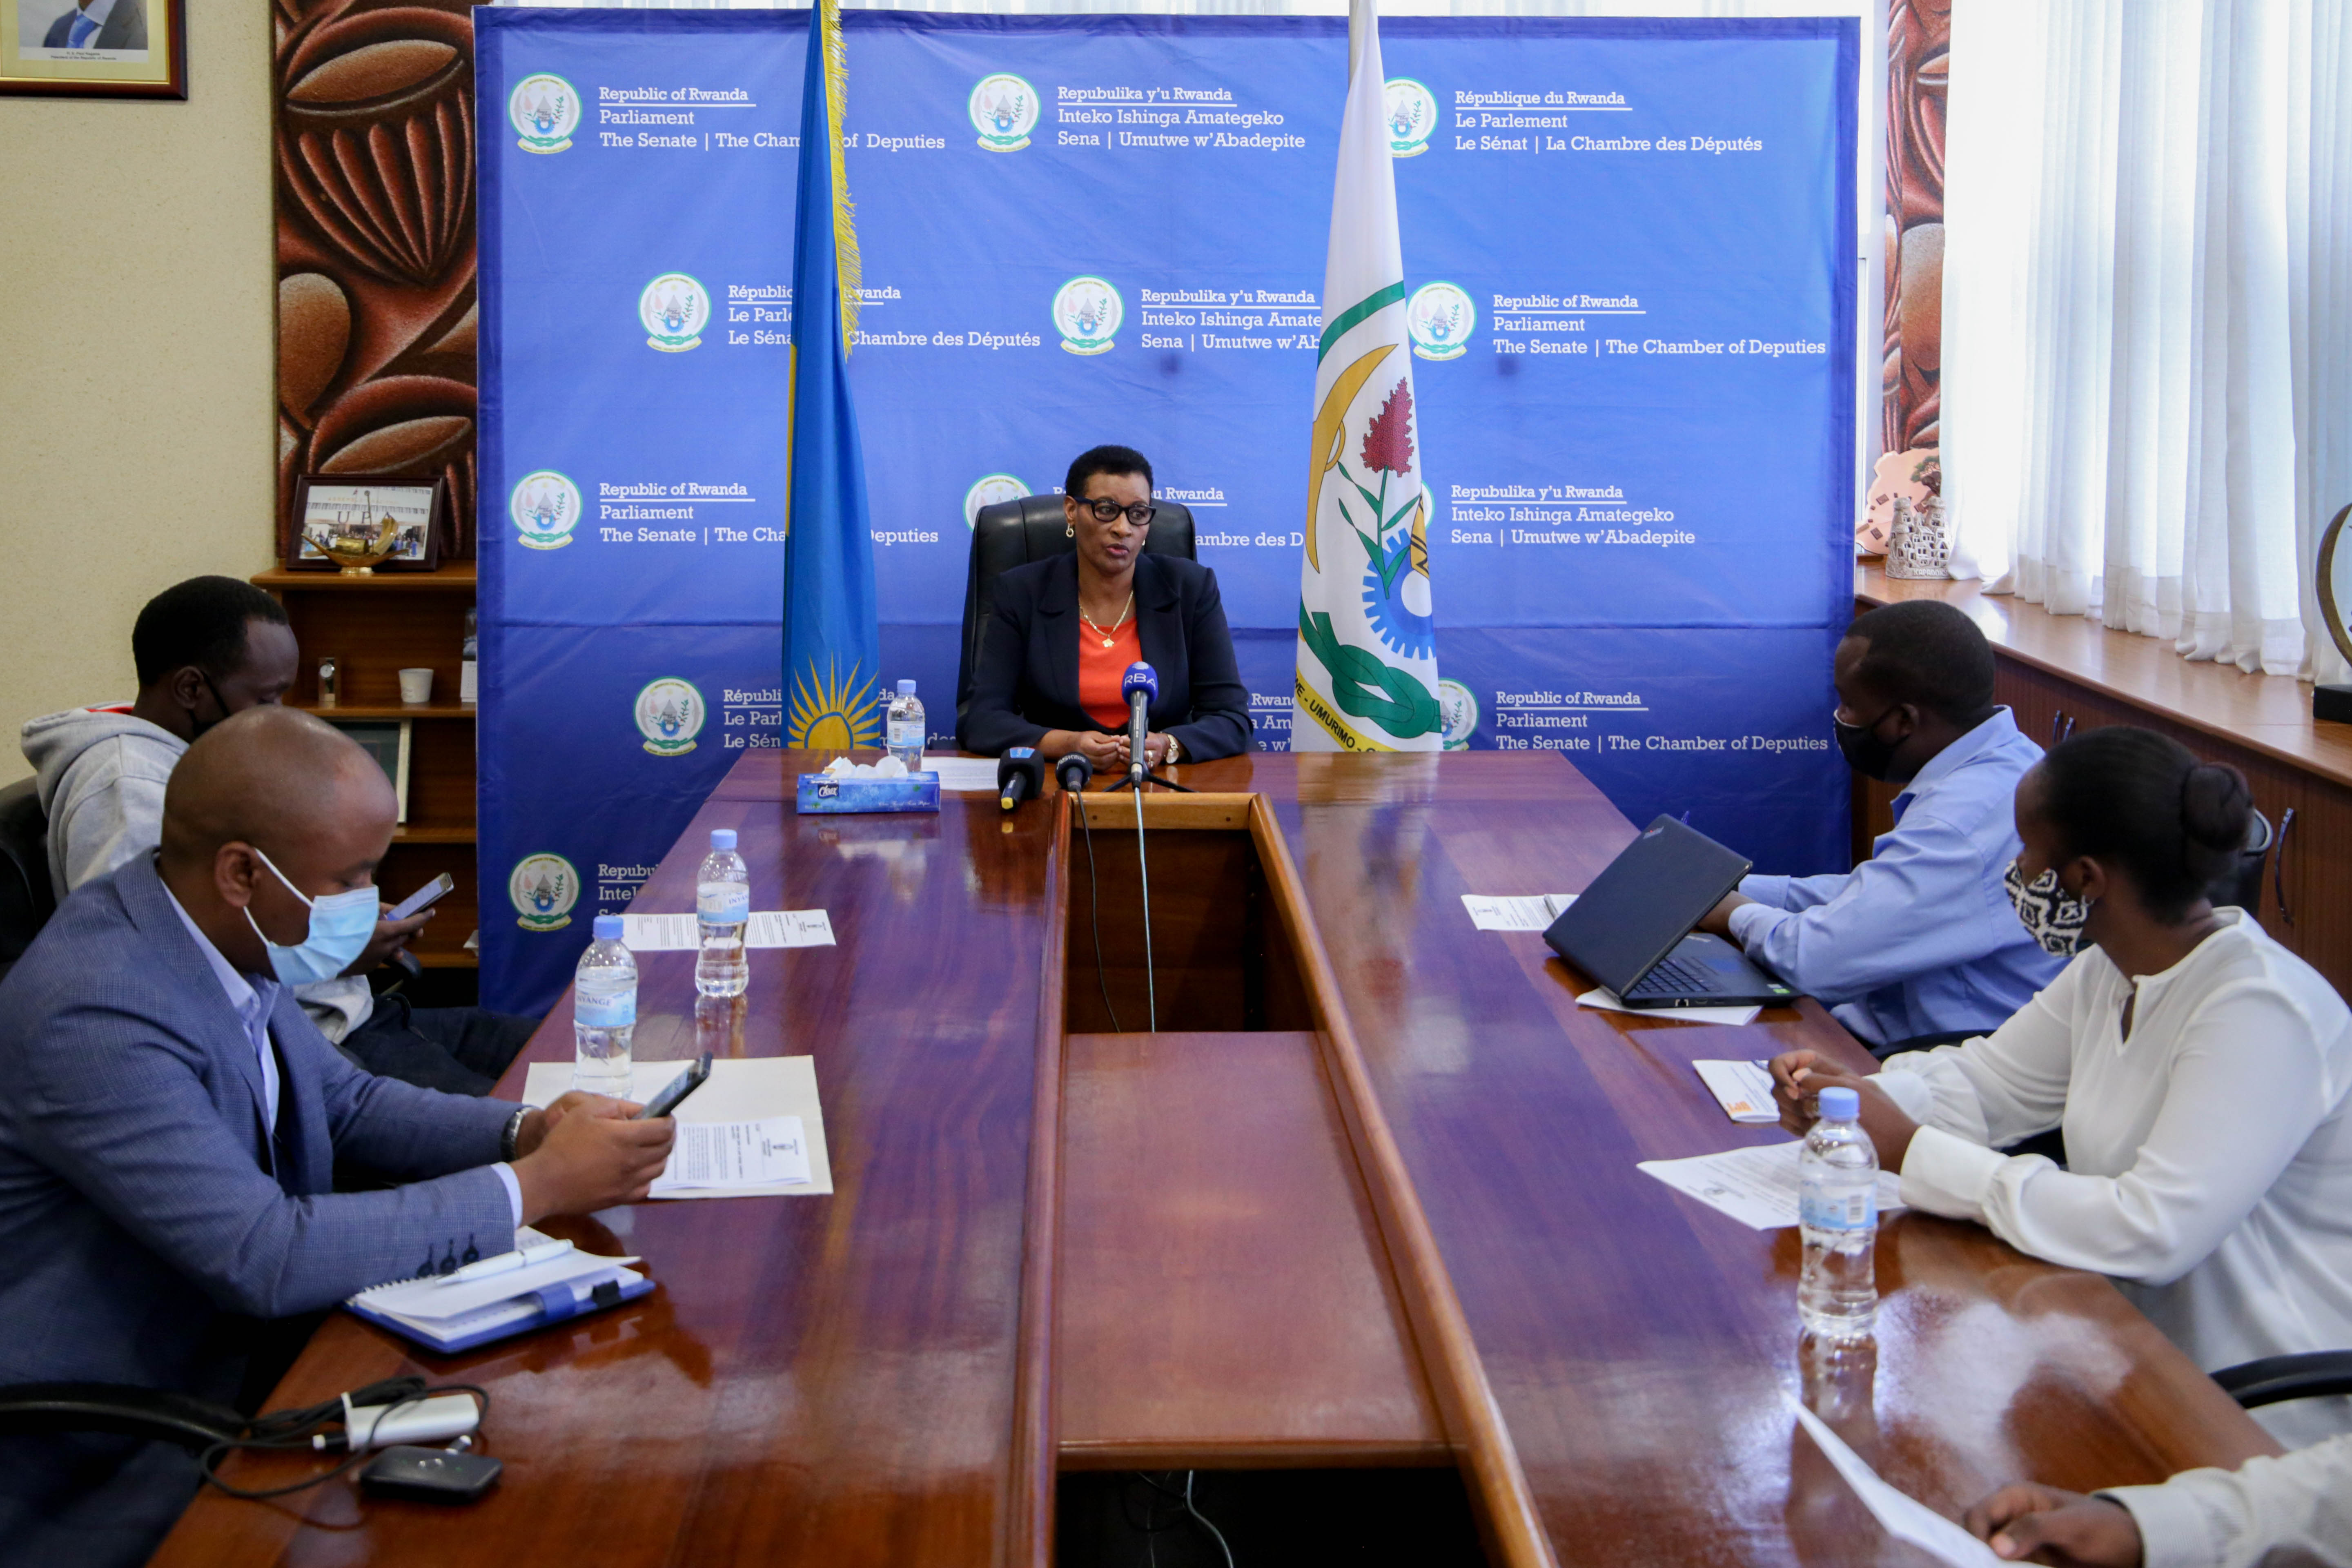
(823, 793)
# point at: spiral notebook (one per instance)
(543, 1281)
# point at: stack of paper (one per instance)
(1530, 911)
(1755, 1187)
(1600, 999)
(754, 1130)
(963, 772)
(1744, 1089)
(767, 928)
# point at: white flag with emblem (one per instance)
(1367, 641)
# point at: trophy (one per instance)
(355, 549)
(2332, 702)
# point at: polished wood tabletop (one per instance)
(817, 1380)
(1411, 1230)
(1638, 1342)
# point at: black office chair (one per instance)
(2275, 1379)
(2243, 885)
(1016, 532)
(26, 901)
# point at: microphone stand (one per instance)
(1164, 782)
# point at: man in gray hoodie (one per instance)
(206, 648)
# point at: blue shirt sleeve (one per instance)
(1917, 905)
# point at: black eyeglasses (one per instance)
(1105, 508)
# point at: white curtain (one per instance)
(2148, 313)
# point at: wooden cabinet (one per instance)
(376, 628)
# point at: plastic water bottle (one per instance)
(723, 908)
(603, 1012)
(905, 734)
(1837, 1184)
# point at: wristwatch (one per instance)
(1175, 752)
(513, 1130)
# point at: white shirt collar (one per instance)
(98, 11)
(242, 996)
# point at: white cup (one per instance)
(416, 686)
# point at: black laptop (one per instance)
(1631, 930)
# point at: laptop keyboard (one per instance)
(1673, 974)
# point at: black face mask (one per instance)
(218, 702)
(1865, 753)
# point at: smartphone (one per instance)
(425, 898)
(673, 1093)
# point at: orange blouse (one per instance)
(1101, 669)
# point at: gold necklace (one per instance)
(1108, 641)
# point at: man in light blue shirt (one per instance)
(1919, 941)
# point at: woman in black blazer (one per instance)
(1064, 631)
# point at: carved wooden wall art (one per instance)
(375, 247)
(1918, 49)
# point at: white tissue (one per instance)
(887, 768)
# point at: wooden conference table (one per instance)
(1368, 1199)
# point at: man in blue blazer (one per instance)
(173, 1121)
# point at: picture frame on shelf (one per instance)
(94, 49)
(408, 516)
(386, 740)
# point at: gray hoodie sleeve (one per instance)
(104, 826)
(102, 774)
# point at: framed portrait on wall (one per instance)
(408, 517)
(94, 49)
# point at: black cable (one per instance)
(283, 1431)
(1094, 900)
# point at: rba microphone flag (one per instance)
(832, 647)
(1367, 676)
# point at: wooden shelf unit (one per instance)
(376, 628)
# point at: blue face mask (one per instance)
(340, 924)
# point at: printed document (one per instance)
(1756, 1186)
(767, 928)
(719, 1156)
(1903, 1517)
(754, 1130)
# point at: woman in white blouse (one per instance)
(2199, 1069)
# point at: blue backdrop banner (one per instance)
(1630, 251)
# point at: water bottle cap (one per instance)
(1841, 1104)
(608, 928)
(906, 689)
(722, 838)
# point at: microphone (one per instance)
(1020, 775)
(1073, 772)
(1139, 688)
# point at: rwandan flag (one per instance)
(1367, 674)
(832, 649)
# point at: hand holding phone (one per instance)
(673, 1093)
(423, 899)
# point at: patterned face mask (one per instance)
(2054, 916)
